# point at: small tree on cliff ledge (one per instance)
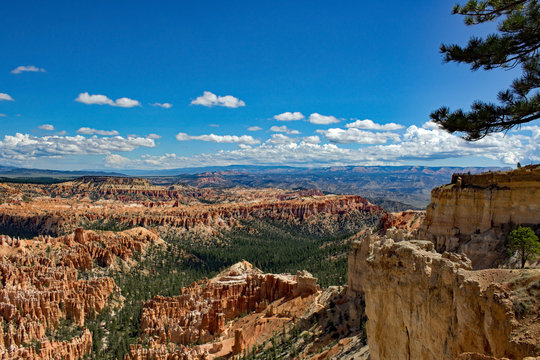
(524, 241)
(517, 42)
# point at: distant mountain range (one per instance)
(393, 187)
(40, 175)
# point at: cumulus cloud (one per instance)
(254, 128)
(341, 136)
(311, 139)
(289, 116)
(163, 105)
(116, 161)
(284, 129)
(5, 97)
(427, 142)
(244, 139)
(370, 125)
(46, 127)
(209, 99)
(28, 68)
(154, 136)
(319, 119)
(124, 102)
(90, 131)
(281, 139)
(24, 147)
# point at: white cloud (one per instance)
(6, 97)
(46, 127)
(254, 128)
(311, 139)
(370, 125)
(289, 116)
(244, 139)
(319, 119)
(341, 136)
(62, 133)
(29, 68)
(281, 139)
(21, 148)
(116, 161)
(163, 105)
(153, 136)
(213, 125)
(284, 129)
(3, 115)
(124, 102)
(425, 143)
(209, 99)
(90, 131)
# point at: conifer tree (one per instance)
(516, 43)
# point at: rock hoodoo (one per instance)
(225, 309)
(41, 285)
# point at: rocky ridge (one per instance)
(239, 308)
(57, 216)
(424, 305)
(475, 213)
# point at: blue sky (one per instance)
(345, 60)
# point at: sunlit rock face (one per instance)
(130, 202)
(424, 305)
(239, 308)
(475, 213)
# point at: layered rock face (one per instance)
(424, 305)
(235, 310)
(41, 285)
(475, 213)
(53, 216)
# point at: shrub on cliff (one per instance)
(524, 241)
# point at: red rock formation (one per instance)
(50, 217)
(409, 220)
(40, 286)
(45, 349)
(206, 309)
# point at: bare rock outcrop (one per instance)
(237, 309)
(475, 213)
(424, 305)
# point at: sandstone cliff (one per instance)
(475, 213)
(424, 305)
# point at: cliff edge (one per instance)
(424, 305)
(475, 213)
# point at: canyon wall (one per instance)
(475, 213)
(424, 305)
(56, 216)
